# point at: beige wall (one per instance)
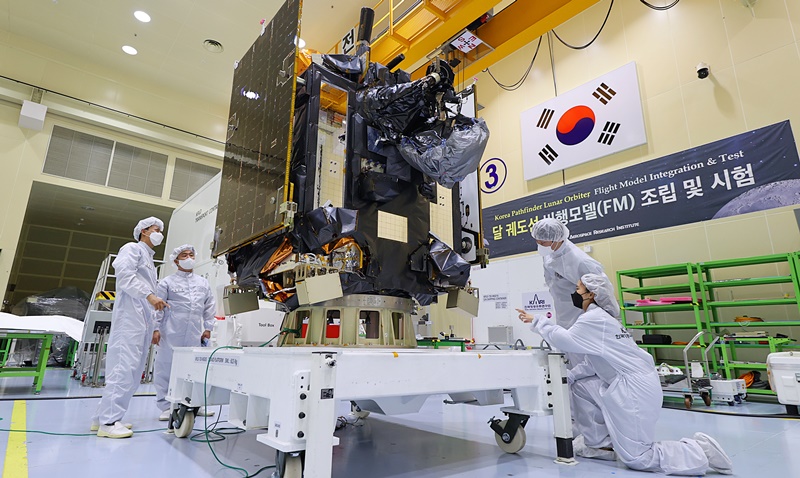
(754, 82)
(22, 154)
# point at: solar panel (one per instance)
(258, 146)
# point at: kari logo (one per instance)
(575, 125)
(601, 117)
(538, 301)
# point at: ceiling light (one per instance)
(129, 50)
(299, 42)
(213, 46)
(141, 16)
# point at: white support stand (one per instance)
(558, 392)
(293, 390)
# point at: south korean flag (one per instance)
(596, 119)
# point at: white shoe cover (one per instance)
(580, 449)
(96, 426)
(718, 460)
(117, 430)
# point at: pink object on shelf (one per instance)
(645, 302)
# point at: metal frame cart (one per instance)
(7, 338)
(691, 387)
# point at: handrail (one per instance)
(390, 15)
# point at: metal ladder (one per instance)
(89, 363)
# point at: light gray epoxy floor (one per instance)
(58, 383)
(440, 441)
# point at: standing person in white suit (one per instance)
(618, 399)
(187, 322)
(132, 323)
(564, 264)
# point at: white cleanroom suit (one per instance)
(190, 313)
(131, 329)
(563, 268)
(617, 395)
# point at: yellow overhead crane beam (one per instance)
(517, 25)
(419, 30)
(413, 29)
(424, 28)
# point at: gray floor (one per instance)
(440, 441)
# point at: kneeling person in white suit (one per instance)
(616, 392)
(186, 323)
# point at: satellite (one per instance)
(349, 192)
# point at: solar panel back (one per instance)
(257, 150)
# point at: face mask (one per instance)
(187, 264)
(544, 250)
(577, 300)
(156, 238)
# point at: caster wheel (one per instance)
(357, 412)
(730, 404)
(514, 445)
(706, 399)
(185, 428)
(288, 465)
(687, 402)
(294, 467)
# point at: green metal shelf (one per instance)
(755, 346)
(746, 261)
(746, 282)
(748, 365)
(667, 346)
(760, 391)
(748, 303)
(661, 289)
(697, 280)
(659, 271)
(662, 326)
(661, 308)
(755, 325)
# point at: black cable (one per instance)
(519, 83)
(596, 35)
(665, 7)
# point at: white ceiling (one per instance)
(171, 53)
(62, 207)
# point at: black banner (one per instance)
(745, 173)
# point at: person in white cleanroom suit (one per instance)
(186, 323)
(564, 264)
(618, 400)
(131, 327)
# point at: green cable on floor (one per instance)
(41, 432)
(205, 418)
(219, 432)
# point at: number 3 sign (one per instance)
(493, 175)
